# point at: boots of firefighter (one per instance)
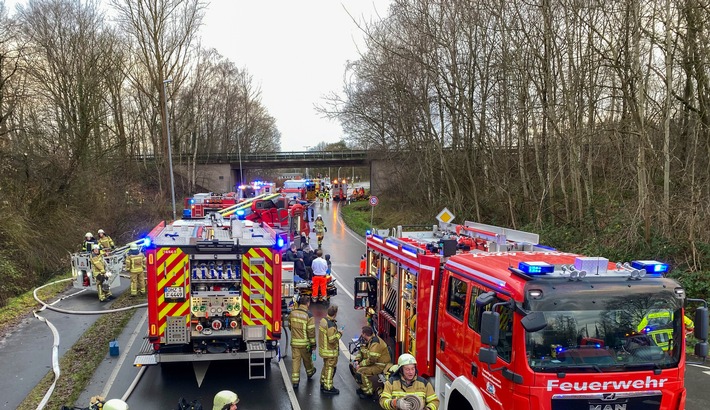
(100, 290)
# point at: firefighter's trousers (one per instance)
(102, 286)
(137, 282)
(299, 354)
(326, 375)
(366, 372)
(320, 284)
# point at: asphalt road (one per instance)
(26, 356)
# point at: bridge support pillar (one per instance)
(212, 177)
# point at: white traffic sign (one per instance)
(374, 201)
(445, 216)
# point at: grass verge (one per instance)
(21, 306)
(79, 363)
(356, 216)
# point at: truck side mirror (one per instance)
(701, 349)
(365, 292)
(701, 324)
(534, 322)
(488, 355)
(485, 298)
(490, 328)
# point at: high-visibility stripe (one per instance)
(171, 269)
(258, 280)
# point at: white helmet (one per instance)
(95, 247)
(319, 216)
(224, 399)
(133, 247)
(403, 360)
(115, 404)
(89, 235)
(101, 231)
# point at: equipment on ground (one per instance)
(502, 322)
(305, 288)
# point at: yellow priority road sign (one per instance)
(445, 216)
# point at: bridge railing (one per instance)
(264, 156)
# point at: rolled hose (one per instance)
(416, 402)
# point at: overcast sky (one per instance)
(296, 52)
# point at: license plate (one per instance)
(174, 292)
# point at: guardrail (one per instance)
(266, 156)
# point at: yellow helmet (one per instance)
(224, 399)
(115, 404)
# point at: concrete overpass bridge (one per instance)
(220, 172)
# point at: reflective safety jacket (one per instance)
(98, 264)
(328, 337)
(106, 242)
(319, 227)
(135, 263)
(395, 388)
(375, 353)
(303, 328)
(87, 245)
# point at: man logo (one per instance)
(607, 406)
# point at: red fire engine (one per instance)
(214, 292)
(294, 188)
(202, 204)
(275, 210)
(504, 323)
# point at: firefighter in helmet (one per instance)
(135, 265)
(658, 325)
(225, 400)
(115, 404)
(106, 242)
(98, 267)
(89, 242)
(320, 229)
(405, 387)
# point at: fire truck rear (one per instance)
(214, 292)
(504, 323)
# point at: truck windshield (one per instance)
(628, 333)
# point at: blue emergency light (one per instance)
(536, 268)
(368, 232)
(240, 213)
(651, 267)
(280, 242)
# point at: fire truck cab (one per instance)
(200, 205)
(214, 292)
(504, 323)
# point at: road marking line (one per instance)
(339, 283)
(289, 386)
(121, 359)
(345, 228)
(699, 365)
